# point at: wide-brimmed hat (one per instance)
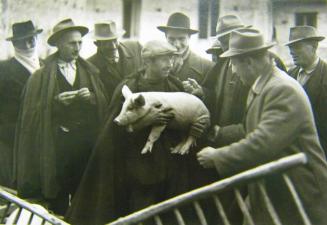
(215, 47)
(178, 21)
(245, 41)
(302, 33)
(23, 30)
(157, 48)
(227, 24)
(62, 27)
(106, 31)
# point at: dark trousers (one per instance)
(73, 151)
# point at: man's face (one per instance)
(69, 45)
(25, 43)
(179, 39)
(108, 47)
(160, 66)
(243, 67)
(224, 42)
(302, 53)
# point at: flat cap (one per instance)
(157, 48)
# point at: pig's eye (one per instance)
(158, 105)
(130, 108)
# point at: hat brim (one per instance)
(212, 50)
(237, 52)
(109, 38)
(317, 38)
(230, 31)
(165, 28)
(53, 38)
(35, 32)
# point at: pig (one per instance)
(189, 111)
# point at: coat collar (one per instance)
(262, 80)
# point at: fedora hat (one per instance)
(62, 27)
(178, 21)
(157, 48)
(227, 24)
(23, 30)
(245, 41)
(301, 33)
(106, 31)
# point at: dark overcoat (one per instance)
(195, 67)
(316, 89)
(103, 191)
(130, 61)
(279, 122)
(35, 151)
(13, 77)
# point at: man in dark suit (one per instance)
(187, 64)
(62, 110)
(113, 58)
(14, 73)
(278, 122)
(311, 72)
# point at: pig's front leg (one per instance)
(153, 137)
(184, 146)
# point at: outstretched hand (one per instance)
(205, 157)
(191, 86)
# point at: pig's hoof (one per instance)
(146, 149)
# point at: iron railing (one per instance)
(20, 212)
(257, 175)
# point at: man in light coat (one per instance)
(273, 130)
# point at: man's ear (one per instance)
(126, 91)
(139, 101)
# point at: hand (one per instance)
(191, 86)
(205, 157)
(66, 98)
(84, 94)
(157, 117)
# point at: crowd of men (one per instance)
(60, 147)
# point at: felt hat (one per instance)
(245, 41)
(178, 21)
(302, 33)
(23, 30)
(62, 27)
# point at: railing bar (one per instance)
(140, 223)
(158, 221)
(18, 215)
(297, 200)
(179, 217)
(25, 205)
(243, 207)
(270, 207)
(200, 213)
(221, 210)
(31, 218)
(5, 213)
(43, 222)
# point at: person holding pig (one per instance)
(63, 106)
(119, 179)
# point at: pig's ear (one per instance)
(139, 101)
(126, 91)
